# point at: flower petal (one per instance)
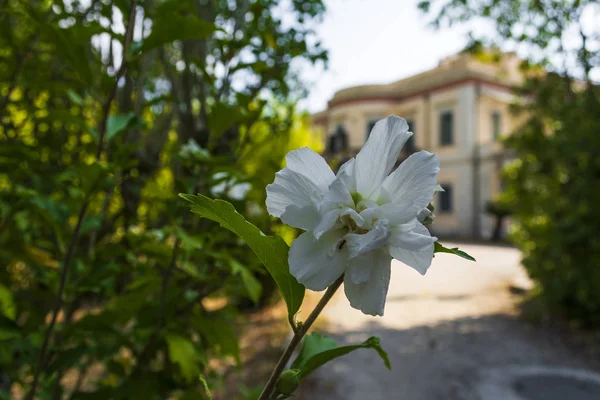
(346, 175)
(349, 214)
(291, 188)
(379, 155)
(411, 236)
(326, 223)
(306, 217)
(310, 164)
(359, 268)
(414, 248)
(410, 188)
(377, 237)
(317, 263)
(337, 195)
(369, 297)
(423, 214)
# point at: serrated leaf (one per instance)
(183, 353)
(271, 250)
(439, 248)
(309, 364)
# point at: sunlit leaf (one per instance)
(271, 250)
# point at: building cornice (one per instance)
(451, 72)
(422, 93)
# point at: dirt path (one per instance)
(443, 332)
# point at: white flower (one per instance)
(359, 219)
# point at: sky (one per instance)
(381, 41)
(376, 41)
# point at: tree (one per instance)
(551, 188)
(108, 109)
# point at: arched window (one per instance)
(338, 142)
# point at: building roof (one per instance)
(456, 69)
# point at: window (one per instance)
(446, 128)
(370, 124)
(496, 125)
(338, 142)
(445, 199)
(410, 143)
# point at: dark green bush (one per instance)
(552, 189)
(553, 192)
(104, 274)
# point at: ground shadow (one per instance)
(441, 361)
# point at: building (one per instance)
(457, 110)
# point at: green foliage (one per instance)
(271, 250)
(7, 304)
(175, 20)
(553, 198)
(317, 350)
(439, 248)
(182, 352)
(551, 189)
(119, 122)
(136, 319)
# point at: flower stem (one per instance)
(297, 338)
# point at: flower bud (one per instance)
(288, 381)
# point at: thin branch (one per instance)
(59, 301)
(301, 331)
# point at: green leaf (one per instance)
(308, 364)
(252, 285)
(172, 24)
(75, 98)
(312, 345)
(271, 250)
(118, 123)
(183, 353)
(222, 117)
(439, 248)
(218, 334)
(7, 304)
(8, 329)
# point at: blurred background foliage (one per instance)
(551, 188)
(108, 110)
